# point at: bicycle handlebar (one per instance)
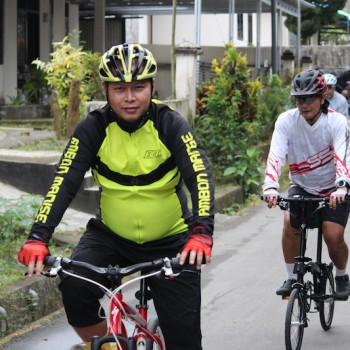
(170, 266)
(282, 202)
(303, 199)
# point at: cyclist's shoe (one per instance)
(342, 289)
(286, 288)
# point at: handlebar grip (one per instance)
(55, 261)
(49, 260)
(176, 265)
(186, 266)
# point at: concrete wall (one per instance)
(328, 57)
(214, 30)
(9, 77)
(25, 112)
(35, 176)
(26, 301)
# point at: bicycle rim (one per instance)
(153, 326)
(294, 324)
(327, 304)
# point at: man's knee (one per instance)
(333, 233)
(81, 301)
(288, 230)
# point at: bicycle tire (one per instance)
(294, 323)
(327, 304)
(153, 326)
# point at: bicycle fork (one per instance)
(301, 267)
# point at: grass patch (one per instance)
(38, 124)
(44, 145)
(10, 269)
(16, 218)
(237, 209)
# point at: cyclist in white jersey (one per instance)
(337, 101)
(315, 140)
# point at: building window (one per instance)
(240, 26)
(250, 29)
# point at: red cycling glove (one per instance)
(200, 243)
(32, 251)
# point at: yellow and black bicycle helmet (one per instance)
(127, 62)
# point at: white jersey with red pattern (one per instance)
(318, 155)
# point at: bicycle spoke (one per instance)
(294, 325)
(327, 304)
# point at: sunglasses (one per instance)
(308, 100)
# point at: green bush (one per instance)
(235, 115)
(17, 216)
(35, 87)
(247, 170)
(72, 75)
(275, 99)
(16, 219)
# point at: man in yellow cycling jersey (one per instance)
(141, 152)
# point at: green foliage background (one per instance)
(235, 117)
(69, 63)
(16, 218)
(314, 19)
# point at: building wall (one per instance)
(9, 76)
(114, 32)
(214, 30)
(155, 30)
(2, 100)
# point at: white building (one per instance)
(214, 30)
(29, 27)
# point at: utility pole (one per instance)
(274, 36)
(299, 37)
(173, 64)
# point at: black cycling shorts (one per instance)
(177, 301)
(338, 215)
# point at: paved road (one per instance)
(240, 308)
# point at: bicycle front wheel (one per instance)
(327, 303)
(294, 325)
(153, 326)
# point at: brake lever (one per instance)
(52, 272)
(167, 270)
(320, 206)
(283, 205)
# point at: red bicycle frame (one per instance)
(119, 310)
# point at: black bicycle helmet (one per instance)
(309, 82)
(127, 62)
